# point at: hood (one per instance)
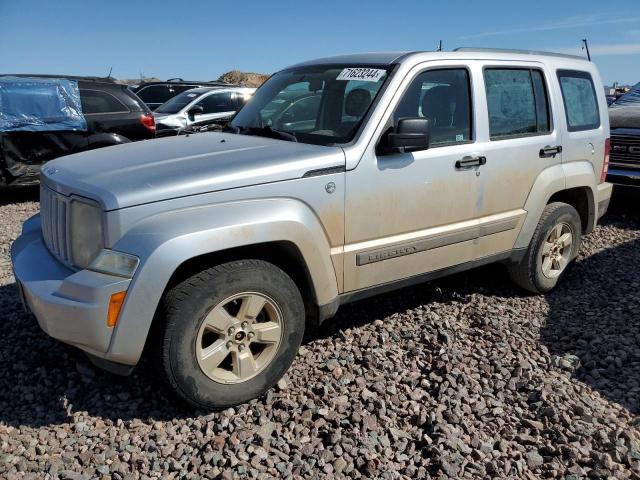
(154, 170)
(624, 117)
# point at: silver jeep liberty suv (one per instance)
(341, 178)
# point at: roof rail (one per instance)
(69, 77)
(525, 52)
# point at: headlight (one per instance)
(115, 263)
(87, 238)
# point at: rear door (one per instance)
(520, 139)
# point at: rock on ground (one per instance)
(466, 377)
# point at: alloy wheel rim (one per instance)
(556, 250)
(239, 337)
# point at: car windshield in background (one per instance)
(319, 104)
(178, 102)
(629, 99)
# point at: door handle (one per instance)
(468, 162)
(548, 151)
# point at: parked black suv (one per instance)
(113, 115)
(155, 94)
(624, 119)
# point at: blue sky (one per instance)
(200, 40)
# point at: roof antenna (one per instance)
(585, 46)
(110, 70)
(440, 45)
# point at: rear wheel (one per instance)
(230, 333)
(555, 244)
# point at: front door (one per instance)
(411, 213)
(215, 106)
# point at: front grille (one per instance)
(54, 214)
(625, 151)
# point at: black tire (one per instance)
(185, 307)
(527, 273)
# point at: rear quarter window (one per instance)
(580, 100)
(96, 101)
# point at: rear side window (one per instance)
(580, 101)
(95, 101)
(517, 102)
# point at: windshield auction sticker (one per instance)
(361, 74)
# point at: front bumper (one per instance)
(604, 198)
(69, 305)
(626, 177)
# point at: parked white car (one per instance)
(199, 106)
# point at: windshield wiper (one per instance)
(265, 131)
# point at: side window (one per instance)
(154, 94)
(95, 101)
(442, 96)
(218, 103)
(580, 101)
(241, 99)
(517, 102)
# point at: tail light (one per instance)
(605, 164)
(148, 121)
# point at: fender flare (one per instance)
(550, 181)
(165, 241)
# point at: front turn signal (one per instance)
(115, 305)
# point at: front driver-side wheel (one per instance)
(229, 333)
(554, 246)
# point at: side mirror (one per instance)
(195, 110)
(410, 135)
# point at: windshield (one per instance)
(177, 103)
(319, 104)
(631, 98)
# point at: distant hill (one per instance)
(235, 77)
(137, 81)
(246, 79)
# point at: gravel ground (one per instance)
(465, 377)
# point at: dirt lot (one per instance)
(460, 378)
